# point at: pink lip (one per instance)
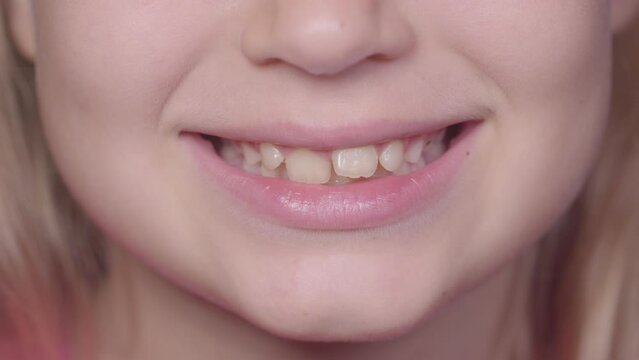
(317, 137)
(358, 205)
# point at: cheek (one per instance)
(104, 71)
(535, 49)
(116, 58)
(553, 76)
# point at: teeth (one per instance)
(418, 165)
(414, 151)
(339, 180)
(265, 171)
(251, 156)
(392, 156)
(341, 166)
(231, 154)
(251, 168)
(434, 148)
(403, 170)
(306, 166)
(272, 157)
(355, 162)
(380, 172)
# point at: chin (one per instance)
(355, 316)
(318, 327)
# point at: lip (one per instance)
(357, 205)
(322, 138)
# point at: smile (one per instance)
(336, 167)
(346, 187)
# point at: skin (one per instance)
(118, 80)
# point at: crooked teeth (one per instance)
(392, 156)
(341, 166)
(303, 165)
(355, 162)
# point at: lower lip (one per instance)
(358, 205)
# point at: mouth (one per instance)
(351, 186)
(336, 167)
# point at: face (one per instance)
(510, 97)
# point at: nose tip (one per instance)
(325, 37)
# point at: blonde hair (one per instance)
(585, 293)
(596, 303)
(50, 255)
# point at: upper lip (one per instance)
(317, 137)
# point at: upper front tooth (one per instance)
(303, 165)
(251, 156)
(272, 157)
(355, 162)
(392, 156)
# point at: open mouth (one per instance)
(354, 185)
(334, 167)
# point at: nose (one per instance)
(325, 37)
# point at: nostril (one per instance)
(318, 50)
(327, 57)
(325, 37)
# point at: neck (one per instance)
(140, 315)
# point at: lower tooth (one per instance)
(403, 170)
(264, 171)
(339, 180)
(418, 165)
(380, 172)
(251, 168)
